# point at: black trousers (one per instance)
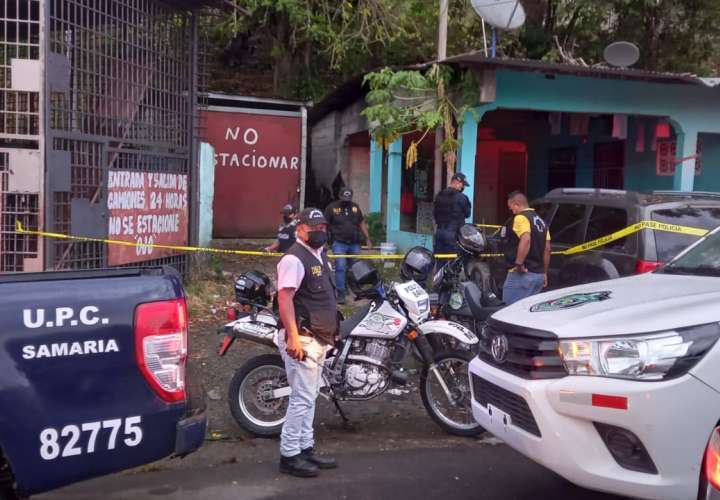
(445, 240)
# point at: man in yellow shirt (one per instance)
(527, 250)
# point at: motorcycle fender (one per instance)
(449, 328)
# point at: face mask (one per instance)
(287, 219)
(316, 239)
(462, 188)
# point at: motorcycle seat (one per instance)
(348, 325)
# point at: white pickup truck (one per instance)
(613, 385)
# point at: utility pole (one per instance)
(439, 136)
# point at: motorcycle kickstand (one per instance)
(346, 421)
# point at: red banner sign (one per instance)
(147, 208)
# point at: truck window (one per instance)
(567, 225)
(544, 210)
(605, 221)
(670, 244)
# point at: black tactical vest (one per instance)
(450, 209)
(314, 300)
(286, 236)
(538, 235)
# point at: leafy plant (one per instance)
(376, 227)
(403, 102)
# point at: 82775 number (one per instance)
(52, 448)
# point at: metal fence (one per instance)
(107, 85)
(20, 141)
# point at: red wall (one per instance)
(257, 170)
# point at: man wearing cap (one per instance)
(308, 313)
(346, 224)
(286, 231)
(450, 210)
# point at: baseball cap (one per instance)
(311, 217)
(460, 177)
(346, 194)
(288, 209)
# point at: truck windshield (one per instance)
(670, 244)
(702, 260)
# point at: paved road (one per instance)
(484, 472)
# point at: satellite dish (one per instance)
(621, 54)
(501, 14)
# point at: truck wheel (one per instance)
(7, 490)
(454, 415)
(251, 395)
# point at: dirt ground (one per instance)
(390, 419)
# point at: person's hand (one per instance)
(266, 249)
(295, 348)
(521, 268)
(369, 243)
(545, 281)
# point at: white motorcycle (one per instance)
(364, 363)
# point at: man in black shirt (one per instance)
(450, 210)
(346, 225)
(286, 231)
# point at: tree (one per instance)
(308, 46)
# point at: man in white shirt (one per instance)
(308, 313)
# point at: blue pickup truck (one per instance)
(93, 376)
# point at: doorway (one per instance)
(609, 166)
(562, 168)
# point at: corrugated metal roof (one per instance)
(350, 90)
(478, 58)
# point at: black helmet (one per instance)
(254, 287)
(363, 279)
(471, 239)
(417, 265)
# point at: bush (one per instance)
(376, 227)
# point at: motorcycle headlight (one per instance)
(645, 357)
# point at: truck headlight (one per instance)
(643, 357)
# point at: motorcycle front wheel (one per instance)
(251, 395)
(453, 413)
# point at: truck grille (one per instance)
(531, 354)
(488, 393)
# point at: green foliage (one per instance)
(403, 102)
(314, 44)
(376, 227)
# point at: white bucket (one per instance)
(388, 249)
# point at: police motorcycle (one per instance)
(365, 362)
(463, 289)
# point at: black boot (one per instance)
(341, 299)
(324, 462)
(298, 466)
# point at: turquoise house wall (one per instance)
(709, 178)
(690, 108)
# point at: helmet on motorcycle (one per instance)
(363, 279)
(471, 240)
(417, 265)
(254, 287)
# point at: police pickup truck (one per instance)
(614, 385)
(92, 376)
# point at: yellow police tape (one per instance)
(583, 247)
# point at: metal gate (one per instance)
(104, 85)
